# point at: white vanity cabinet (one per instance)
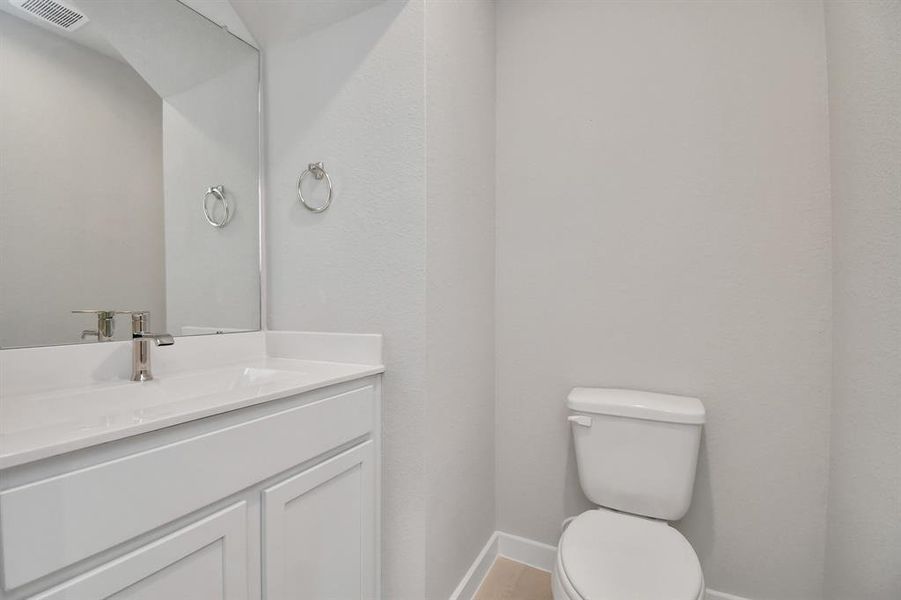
(277, 500)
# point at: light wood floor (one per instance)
(510, 580)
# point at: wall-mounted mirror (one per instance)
(129, 180)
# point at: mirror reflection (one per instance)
(129, 179)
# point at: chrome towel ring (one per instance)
(218, 194)
(318, 171)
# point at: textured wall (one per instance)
(863, 556)
(663, 223)
(460, 78)
(352, 95)
(80, 139)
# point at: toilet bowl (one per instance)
(636, 453)
(606, 555)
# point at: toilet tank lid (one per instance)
(636, 404)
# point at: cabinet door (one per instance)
(206, 560)
(319, 531)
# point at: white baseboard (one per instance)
(529, 552)
(526, 551)
(522, 550)
(470, 583)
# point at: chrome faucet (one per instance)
(140, 356)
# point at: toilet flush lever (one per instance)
(580, 420)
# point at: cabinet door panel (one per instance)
(319, 531)
(206, 560)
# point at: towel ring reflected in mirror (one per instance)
(218, 194)
(318, 172)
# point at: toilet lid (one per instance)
(607, 555)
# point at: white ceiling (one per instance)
(273, 22)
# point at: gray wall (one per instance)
(351, 95)
(81, 147)
(863, 556)
(663, 223)
(459, 43)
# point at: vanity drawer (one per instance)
(56, 522)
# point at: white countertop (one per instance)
(40, 423)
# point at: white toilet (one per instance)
(636, 453)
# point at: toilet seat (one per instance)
(606, 555)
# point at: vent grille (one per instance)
(53, 11)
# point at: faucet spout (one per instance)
(163, 339)
(159, 339)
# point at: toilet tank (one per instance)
(636, 451)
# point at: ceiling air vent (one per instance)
(58, 13)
